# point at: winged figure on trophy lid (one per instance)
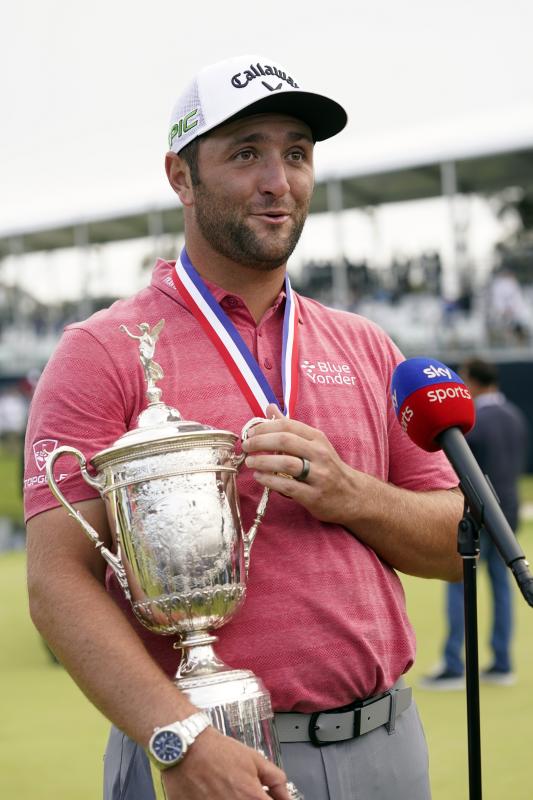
(147, 339)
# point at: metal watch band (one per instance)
(192, 726)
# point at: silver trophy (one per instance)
(181, 554)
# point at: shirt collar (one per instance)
(162, 279)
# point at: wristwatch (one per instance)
(168, 744)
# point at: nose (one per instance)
(273, 180)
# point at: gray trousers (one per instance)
(376, 766)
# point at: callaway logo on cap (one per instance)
(249, 85)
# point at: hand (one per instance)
(220, 768)
(275, 450)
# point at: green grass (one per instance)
(505, 712)
(526, 489)
(10, 480)
(52, 739)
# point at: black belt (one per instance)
(362, 716)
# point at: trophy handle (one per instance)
(114, 561)
(238, 461)
(249, 537)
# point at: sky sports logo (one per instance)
(430, 372)
(429, 398)
(406, 417)
(438, 372)
(452, 392)
(440, 394)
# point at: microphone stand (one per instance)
(482, 511)
(468, 549)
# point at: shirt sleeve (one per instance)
(79, 401)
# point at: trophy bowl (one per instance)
(175, 505)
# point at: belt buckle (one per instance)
(313, 727)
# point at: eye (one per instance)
(296, 155)
(244, 155)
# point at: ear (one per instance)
(179, 177)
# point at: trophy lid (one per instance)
(161, 428)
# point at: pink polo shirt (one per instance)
(324, 620)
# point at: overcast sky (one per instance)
(87, 89)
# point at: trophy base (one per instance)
(238, 705)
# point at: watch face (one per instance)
(167, 746)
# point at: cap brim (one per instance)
(324, 116)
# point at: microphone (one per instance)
(435, 409)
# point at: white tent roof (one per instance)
(489, 154)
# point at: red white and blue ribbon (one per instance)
(231, 346)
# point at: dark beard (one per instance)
(228, 235)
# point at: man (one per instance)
(324, 622)
(498, 440)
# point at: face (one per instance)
(256, 182)
(470, 382)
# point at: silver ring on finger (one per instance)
(306, 466)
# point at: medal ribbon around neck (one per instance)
(231, 346)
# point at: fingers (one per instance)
(277, 422)
(300, 463)
(294, 490)
(219, 768)
(280, 441)
(279, 792)
(273, 778)
(285, 466)
(281, 450)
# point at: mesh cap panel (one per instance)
(187, 119)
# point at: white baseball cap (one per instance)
(245, 85)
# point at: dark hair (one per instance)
(190, 155)
(482, 372)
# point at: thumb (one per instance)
(272, 411)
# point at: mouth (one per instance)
(273, 217)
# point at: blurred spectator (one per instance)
(13, 414)
(499, 442)
(506, 312)
(26, 387)
(433, 271)
(28, 383)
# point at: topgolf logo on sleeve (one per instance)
(42, 450)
